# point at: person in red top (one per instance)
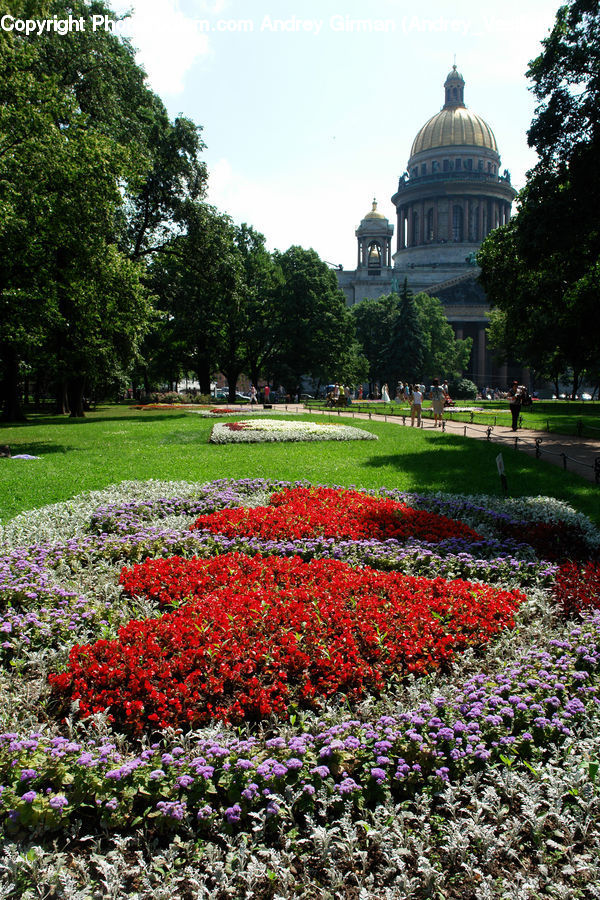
(267, 391)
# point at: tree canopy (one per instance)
(93, 177)
(542, 270)
(406, 337)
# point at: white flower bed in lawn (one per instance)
(260, 431)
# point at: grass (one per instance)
(118, 443)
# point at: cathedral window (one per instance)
(446, 165)
(415, 229)
(430, 235)
(459, 164)
(423, 168)
(435, 165)
(457, 223)
(480, 165)
(469, 164)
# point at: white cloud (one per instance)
(308, 212)
(168, 42)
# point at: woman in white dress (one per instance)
(385, 395)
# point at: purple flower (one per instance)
(347, 786)
(233, 813)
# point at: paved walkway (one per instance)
(575, 454)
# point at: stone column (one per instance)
(422, 224)
(503, 375)
(436, 236)
(480, 221)
(481, 367)
(409, 227)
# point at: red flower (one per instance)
(248, 637)
(330, 512)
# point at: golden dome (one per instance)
(373, 214)
(454, 126)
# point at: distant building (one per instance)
(451, 196)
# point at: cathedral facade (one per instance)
(450, 197)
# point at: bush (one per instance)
(171, 397)
(463, 389)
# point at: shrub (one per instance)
(577, 588)
(463, 389)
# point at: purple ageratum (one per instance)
(233, 814)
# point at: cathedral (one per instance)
(450, 197)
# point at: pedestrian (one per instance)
(360, 392)
(517, 396)
(385, 395)
(437, 402)
(253, 397)
(416, 404)
(266, 393)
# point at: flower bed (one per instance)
(327, 512)
(259, 431)
(470, 756)
(256, 637)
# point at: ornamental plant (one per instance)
(252, 637)
(300, 512)
(577, 588)
(550, 540)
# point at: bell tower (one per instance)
(374, 235)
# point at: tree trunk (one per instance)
(11, 399)
(203, 373)
(62, 399)
(75, 388)
(232, 377)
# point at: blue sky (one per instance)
(309, 108)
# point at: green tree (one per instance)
(91, 172)
(444, 354)
(542, 268)
(316, 329)
(391, 335)
(262, 286)
(198, 283)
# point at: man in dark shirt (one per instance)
(515, 397)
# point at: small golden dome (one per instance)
(373, 214)
(454, 126)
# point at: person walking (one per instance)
(253, 397)
(385, 395)
(437, 402)
(517, 395)
(416, 404)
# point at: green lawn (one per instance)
(116, 443)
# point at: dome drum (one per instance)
(452, 194)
